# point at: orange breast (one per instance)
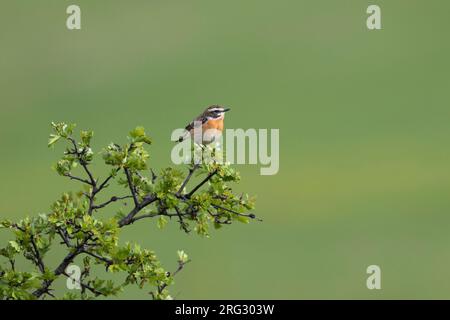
(213, 124)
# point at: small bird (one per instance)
(211, 122)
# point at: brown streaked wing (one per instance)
(190, 126)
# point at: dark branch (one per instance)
(104, 183)
(83, 162)
(154, 176)
(180, 267)
(149, 215)
(132, 187)
(183, 225)
(77, 178)
(188, 177)
(84, 285)
(64, 237)
(129, 218)
(59, 270)
(37, 255)
(113, 199)
(251, 215)
(99, 257)
(152, 215)
(208, 177)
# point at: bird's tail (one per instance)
(183, 137)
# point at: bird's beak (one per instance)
(226, 109)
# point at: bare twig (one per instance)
(83, 285)
(208, 177)
(113, 199)
(183, 225)
(154, 176)
(180, 267)
(104, 183)
(152, 215)
(64, 237)
(58, 271)
(77, 178)
(99, 257)
(37, 255)
(82, 162)
(188, 177)
(129, 217)
(132, 187)
(251, 215)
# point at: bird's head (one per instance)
(215, 112)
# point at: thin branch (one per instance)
(65, 238)
(68, 175)
(131, 186)
(83, 285)
(188, 177)
(84, 165)
(12, 262)
(251, 215)
(14, 225)
(113, 199)
(152, 215)
(59, 270)
(208, 177)
(148, 215)
(183, 225)
(106, 260)
(82, 162)
(104, 183)
(180, 267)
(37, 255)
(129, 218)
(154, 176)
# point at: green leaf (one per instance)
(53, 139)
(182, 256)
(15, 245)
(138, 136)
(137, 132)
(86, 137)
(5, 224)
(48, 275)
(242, 219)
(62, 129)
(162, 221)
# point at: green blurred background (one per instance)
(363, 116)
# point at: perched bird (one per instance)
(211, 124)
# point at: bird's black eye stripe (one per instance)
(214, 113)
